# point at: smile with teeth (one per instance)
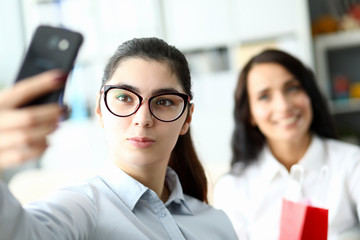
(287, 121)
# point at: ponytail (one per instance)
(187, 165)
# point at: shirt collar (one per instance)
(130, 190)
(269, 165)
(125, 187)
(177, 196)
(270, 168)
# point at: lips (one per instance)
(142, 142)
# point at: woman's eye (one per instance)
(124, 98)
(293, 88)
(164, 102)
(263, 97)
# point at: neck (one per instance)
(289, 153)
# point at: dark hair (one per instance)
(183, 159)
(248, 140)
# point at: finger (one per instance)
(17, 156)
(27, 136)
(31, 88)
(30, 116)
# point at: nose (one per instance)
(143, 116)
(282, 102)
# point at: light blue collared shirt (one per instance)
(113, 205)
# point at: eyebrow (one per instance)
(263, 91)
(287, 83)
(154, 92)
(165, 90)
(291, 81)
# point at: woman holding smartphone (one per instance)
(155, 186)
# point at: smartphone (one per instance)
(50, 48)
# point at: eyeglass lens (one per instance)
(166, 107)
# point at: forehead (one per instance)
(145, 74)
(268, 75)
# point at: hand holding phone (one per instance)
(34, 123)
(50, 48)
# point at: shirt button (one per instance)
(162, 214)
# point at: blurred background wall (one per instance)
(217, 38)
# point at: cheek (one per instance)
(114, 127)
(304, 103)
(259, 113)
(307, 108)
(170, 132)
(171, 139)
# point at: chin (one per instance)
(293, 137)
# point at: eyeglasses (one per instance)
(123, 102)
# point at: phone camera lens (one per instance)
(63, 44)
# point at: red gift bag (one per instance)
(300, 221)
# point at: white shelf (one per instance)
(338, 39)
(324, 44)
(345, 105)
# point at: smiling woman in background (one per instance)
(282, 121)
(155, 186)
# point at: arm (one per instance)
(23, 133)
(66, 215)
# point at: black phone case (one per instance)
(50, 48)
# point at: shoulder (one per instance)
(342, 149)
(199, 208)
(230, 190)
(227, 182)
(342, 156)
(207, 215)
(339, 144)
(196, 205)
(238, 174)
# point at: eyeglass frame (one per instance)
(185, 97)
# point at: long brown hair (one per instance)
(183, 159)
(248, 140)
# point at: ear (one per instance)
(187, 122)
(98, 110)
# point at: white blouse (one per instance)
(252, 198)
